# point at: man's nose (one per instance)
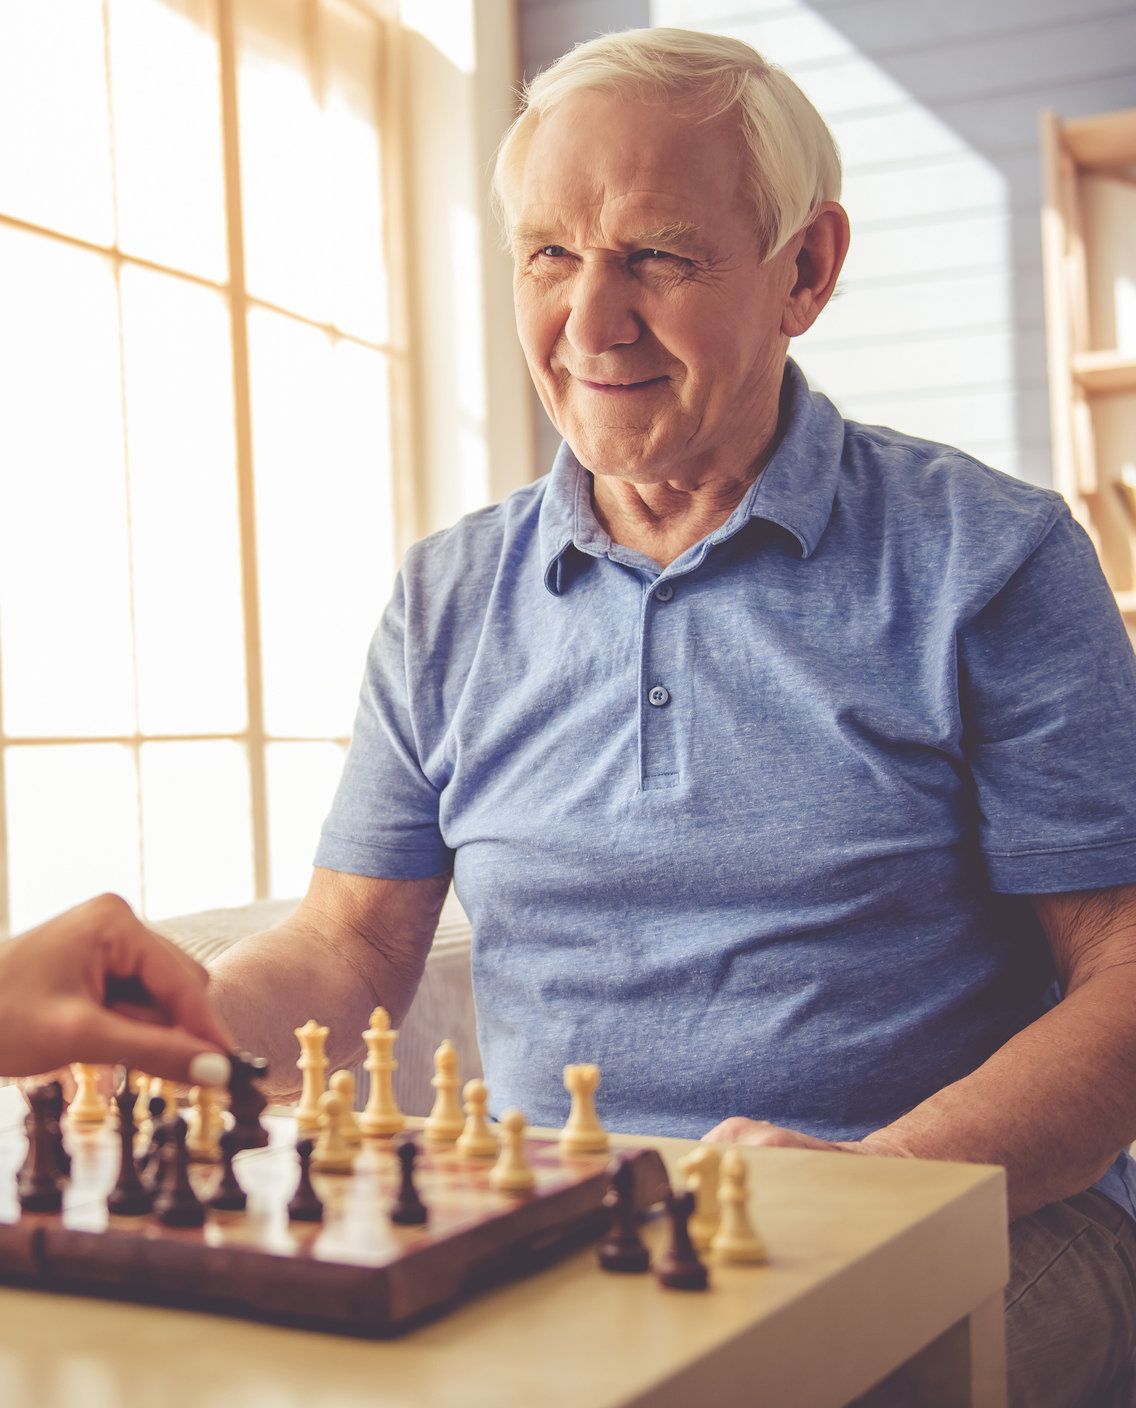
(602, 312)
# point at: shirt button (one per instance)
(664, 591)
(658, 696)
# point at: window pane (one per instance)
(187, 577)
(64, 577)
(72, 827)
(166, 90)
(282, 184)
(196, 827)
(55, 157)
(321, 451)
(357, 264)
(302, 778)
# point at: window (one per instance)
(197, 447)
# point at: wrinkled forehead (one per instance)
(596, 156)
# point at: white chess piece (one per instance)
(735, 1239)
(332, 1153)
(445, 1121)
(88, 1106)
(511, 1173)
(312, 1065)
(701, 1168)
(477, 1140)
(343, 1083)
(583, 1134)
(206, 1123)
(382, 1115)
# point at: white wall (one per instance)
(938, 325)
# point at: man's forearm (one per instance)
(1054, 1105)
(271, 983)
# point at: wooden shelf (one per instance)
(1103, 140)
(1104, 373)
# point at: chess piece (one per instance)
(511, 1173)
(39, 1184)
(53, 1109)
(150, 1161)
(445, 1121)
(168, 1090)
(477, 1140)
(246, 1102)
(305, 1205)
(622, 1249)
(176, 1204)
(408, 1209)
(141, 1084)
(735, 1240)
(343, 1084)
(679, 1268)
(701, 1169)
(382, 1115)
(332, 1153)
(312, 1065)
(228, 1196)
(206, 1125)
(88, 1107)
(129, 1197)
(583, 1133)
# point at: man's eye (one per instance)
(653, 254)
(551, 251)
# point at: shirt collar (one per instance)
(795, 490)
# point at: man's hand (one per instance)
(95, 985)
(762, 1134)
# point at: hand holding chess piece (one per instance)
(95, 985)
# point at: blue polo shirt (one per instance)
(753, 832)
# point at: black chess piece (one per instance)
(176, 1204)
(246, 1103)
(39, 1183)
(55, 1109)
(229, 1196)
(408, 1209)
(150, 1160)
(622, 1249)
(679, 1268)
(305, 1205)
(129, 1197)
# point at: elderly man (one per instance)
(784, 765)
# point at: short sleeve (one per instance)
(1047, 684)
(384, 818)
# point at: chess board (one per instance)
(355, 1272)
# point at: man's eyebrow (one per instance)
(676, 234)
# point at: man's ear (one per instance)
(821, 248)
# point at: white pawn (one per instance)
(511, 1173)
(206, 1123)
(88, 1106)
(445, 1121)
(735, 1239)
(382, 1115)
(583, 1134)
(701, 1167)
(477, 1140)
(343, 1083)
(332, 1154)
(312, 1065)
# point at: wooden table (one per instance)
(875, 1263)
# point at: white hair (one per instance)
(793, 165)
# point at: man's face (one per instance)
(636, 263)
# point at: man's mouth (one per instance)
(620, 388)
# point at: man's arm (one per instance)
(1055, 1104)
(354, 942)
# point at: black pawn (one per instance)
(246, 1103)
(129, 1197)
(176, 1204)
(150, 1161)
(305, 1205)
(408, 1209)
(229, 1196)
(679, 1269)
(39, 1183)
(622, 1249)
